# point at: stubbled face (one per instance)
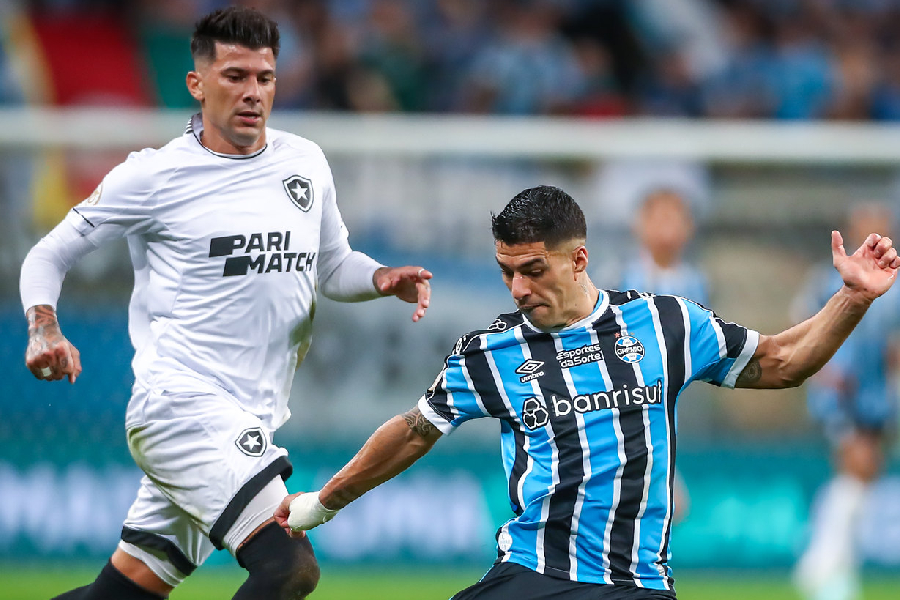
(235, 91)
(544, 283)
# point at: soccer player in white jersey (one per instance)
(584, 383)
(232, 228)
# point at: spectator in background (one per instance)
(529, 68)
(392, 50)
(801, 71)
(669, 88)
(886, 90)
(600, 95)
(740, 88)
(663, 228)
(455, 32)
(854, 397)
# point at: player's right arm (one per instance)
(120, 206)
(49, 355)
(392, 449)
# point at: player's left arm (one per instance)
(392, 449)
(790, 357)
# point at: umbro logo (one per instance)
(252, 442)
(530, 369)
(300, 191)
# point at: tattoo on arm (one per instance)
(418, 423)
(43, 330)
(341, 498)
(40, 318)
(751, 374)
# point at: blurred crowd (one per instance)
(781, 59)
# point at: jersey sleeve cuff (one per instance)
(743, 359)
(443, 425)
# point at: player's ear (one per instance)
(580, 258)
(195, 85)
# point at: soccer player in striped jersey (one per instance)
(233, 229)
(584, 383)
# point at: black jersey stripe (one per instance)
(520, 466)
(672, 314)
(485, 385)
(631, 495)
(570, 458)
(479, 370)
(735, 337)
(617, 298)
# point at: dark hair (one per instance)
(234, 25)
(539, 214)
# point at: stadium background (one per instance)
(772, 117)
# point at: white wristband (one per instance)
(308, 512)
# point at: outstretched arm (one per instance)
(392, 449)
(355, 277)
(790, 357)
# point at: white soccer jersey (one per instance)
(225, 251)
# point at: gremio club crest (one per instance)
(629, 349)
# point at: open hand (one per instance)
(410, 284)
(871, 270)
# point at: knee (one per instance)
(300, 578)
(286, 567)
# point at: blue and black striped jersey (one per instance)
(588, 426)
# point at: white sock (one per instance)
(828, 568)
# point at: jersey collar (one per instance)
(195, 127)
(599, 308)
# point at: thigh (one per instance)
(207, 457)
(163, 536)
(509, 580)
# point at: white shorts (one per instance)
(212, 476)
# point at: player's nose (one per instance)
(518, 287)
(252, 91)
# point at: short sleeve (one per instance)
(452, 399)
(120, 206)
(719, 350)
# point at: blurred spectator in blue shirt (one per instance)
(663, 228)
(529, 68)
(855, 399)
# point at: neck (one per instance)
(588, 294)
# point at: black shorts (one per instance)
(509, 580)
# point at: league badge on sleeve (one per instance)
(94, 198)
(300, 191)
(252, 442)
